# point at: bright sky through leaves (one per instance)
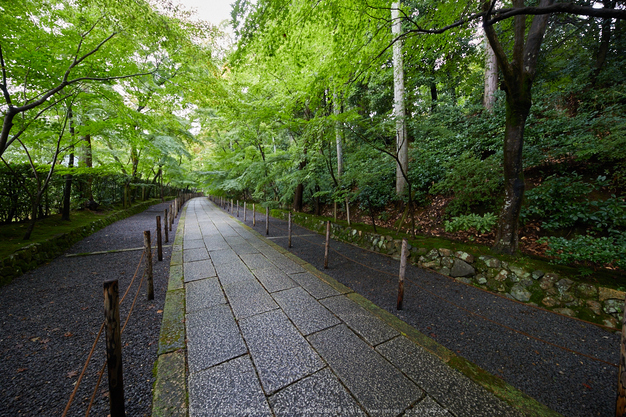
(214, 11)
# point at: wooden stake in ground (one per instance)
(171, 218)
(159, 243)
(253, 216)
(620, 409)
(237, 208)
(148, 248)
(348, 211)
(244, 211)
(267, 220)
(327, 246)
(289, 229)
(114, 348)
(403, 256)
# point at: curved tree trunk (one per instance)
(517, 109)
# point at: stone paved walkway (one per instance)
(266, 336)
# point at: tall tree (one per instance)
(402, 143)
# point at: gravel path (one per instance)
(50, 317)
(511, 340)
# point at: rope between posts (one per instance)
(95, 390)
(93, 347)
(470, 311)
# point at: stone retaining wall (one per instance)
(30, 256)
(546, 289)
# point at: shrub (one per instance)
(562, 202)
(483, 224)
(473, 182)
(582, 249)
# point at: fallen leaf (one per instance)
(72, 374)
(586, 386)
(34, 339)
(21, 370)
(68, 334)
(44, 341)
(159, 311)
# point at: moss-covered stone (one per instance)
(170, 388)
(172, 335)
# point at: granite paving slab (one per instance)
(214, 243)
(274, 279)
(194, 244)
(363, 322)
(314, 285)
(193, 271)
(192, 255)
(256, 261)
(228, 390)
(204, 293)
(285, 264)
(381, 388)
(280, 353)
(248, 298)
(212, 337)
(320, 394)
(447, 386)
(244, 248)
(428, 407)
(305, 312)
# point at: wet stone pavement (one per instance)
(267, 337)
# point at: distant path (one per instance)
(49, 318)
(440, 307)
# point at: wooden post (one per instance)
(327, 245)
(253, 216)
(114, 348)
(289, 229)
(267, 220)
(620, 408)
(159, 242)
(148, 248)
(166, 220)
(244, 211)
(335, 211)
(237, 208)
(171, 220)
(348, 211)
(403, 256)
(231, 206)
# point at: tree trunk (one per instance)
(491, 77)
(298, 203)
(87, 162)
(398, 95)
(67, 190)
(433, 96)
(517, 108)
(33, 219)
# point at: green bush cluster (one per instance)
(482, 224)
(473, 182)
(601, 251)
(563, 201)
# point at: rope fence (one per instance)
(145, 260)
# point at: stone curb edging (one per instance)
(31, 256)
(170, 396)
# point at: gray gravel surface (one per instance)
(513, 341)
(49, 319)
